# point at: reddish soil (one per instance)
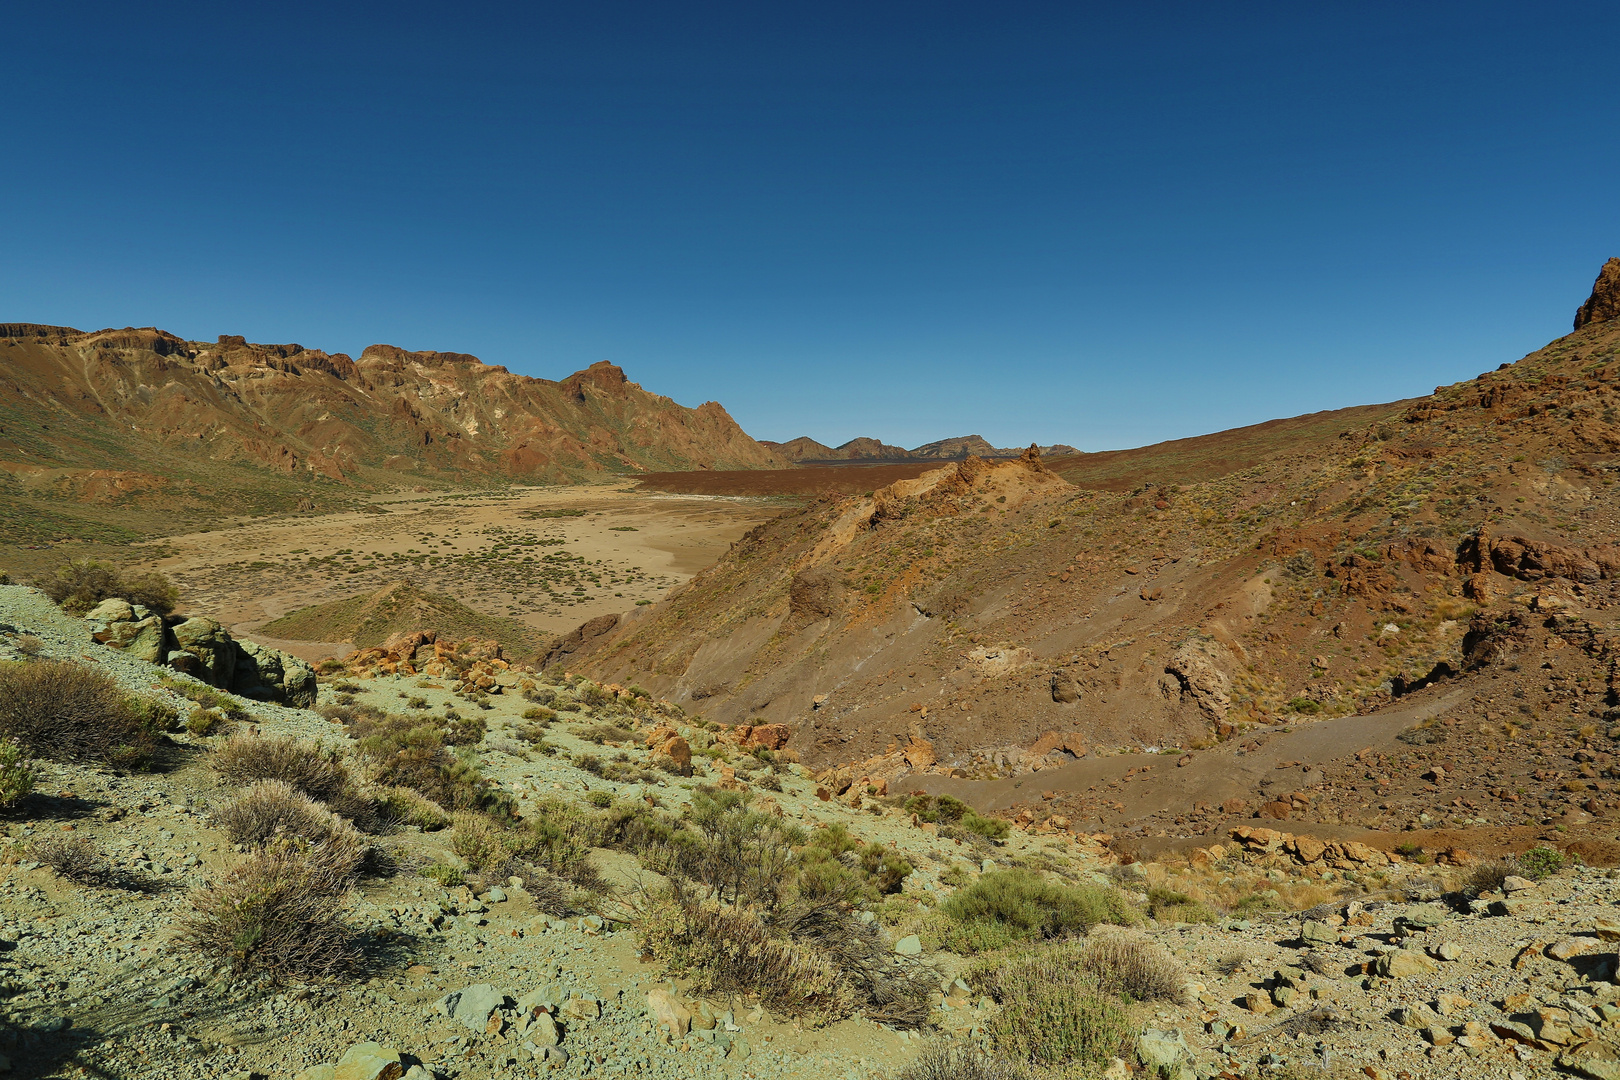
(812, 480)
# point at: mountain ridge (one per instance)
(142, 415)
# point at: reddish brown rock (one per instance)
(1604, 303)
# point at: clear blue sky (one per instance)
(1101, 224)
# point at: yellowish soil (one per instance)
(501, 553)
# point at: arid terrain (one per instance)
(544, 558)
(1287, 751)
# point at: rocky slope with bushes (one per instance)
(534, 874)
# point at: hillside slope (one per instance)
(142, 417)
(990, 615)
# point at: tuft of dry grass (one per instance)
(317, 773)
(943, 1060)
(1133, 967)
(77, 859)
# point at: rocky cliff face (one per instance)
(1604, 303)
(156, 409)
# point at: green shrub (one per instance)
(16, 778)
(988, 827)
(410, 751)
(1029, 906)
(63, 711)
(80, 584)
(539, 713)
(600, 799)
(1539, 863)
(1053, 1012)
(203, 722)
(447, 876)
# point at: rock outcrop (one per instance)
(1604, 303)
(205, 650)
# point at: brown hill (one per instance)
(997, 618)
(141, 416)
(400, 607)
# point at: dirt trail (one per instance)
(1152, 783)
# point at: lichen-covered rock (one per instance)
(212, 645)
(270, 675)
(144, 640)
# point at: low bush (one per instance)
(556, 839)
(603, 733)
(1167, 905)
(311, 769)
(63, 711)
(1539, 863)
(410, 751)
(1053, 1013)
(77, 859)
(204, 722)
(16, 777)
(1026, 905)
(941, 1060)
(404, 806)
(80, 584)
(276, 913)
(730, 949)
(271, 810)
(1486, 876)
(1133, 968)
(207, 697)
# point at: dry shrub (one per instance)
(941, 1060)
(276, 912)
(64, 711)
(900, 995)
(306, 767)
(16, 778)
(271, 810)
(80, 584)
(1133, 967)
(1486, 876)
(78, 859)
(732, 950)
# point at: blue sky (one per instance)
(1096, 224)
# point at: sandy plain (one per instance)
(551, 557)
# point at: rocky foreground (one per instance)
(1289, 960)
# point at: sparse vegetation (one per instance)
(271, 810)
